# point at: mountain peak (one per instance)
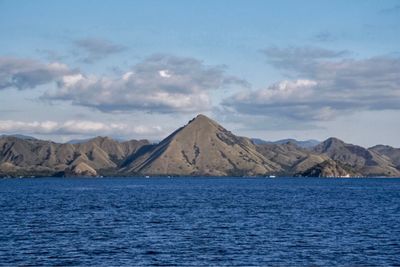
(329, 144)
(202, 116)
(334, 140)
(202, 147)
(201, 119)
(202, 123)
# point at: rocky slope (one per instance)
(291, 157)
(327, 168)
(359, 159)
(392, 153)
(202, 147)
(38, 157)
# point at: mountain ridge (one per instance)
(202, 147)
(310, 143)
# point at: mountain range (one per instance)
(200, 148)
(304, 144)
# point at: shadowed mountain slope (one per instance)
(392, 153)
(292, 158)
(361, 160)
(327, 168)
(303, 144)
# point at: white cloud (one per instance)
(286, 89)
(127, 75)
(35, 126)
(164, 74)
(160, 84)
(27, 73)
(70, 80)
(323, 85)
(77, 127)
(95, 49)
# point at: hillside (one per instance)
(200, 148)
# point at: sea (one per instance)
(200, 221)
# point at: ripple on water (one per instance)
(199, 222)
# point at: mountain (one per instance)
(327, 168)
(202, 147)
(38, 157)
(392, 153)
(304, 144)
(292, 158)
(77, 141)
(361, 160)
(20, 136)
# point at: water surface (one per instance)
(199, 221)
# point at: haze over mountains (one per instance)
(304, 144)
(200, 148)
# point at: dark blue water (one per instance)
(200, 222)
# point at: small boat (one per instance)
(272, 176)
(147, 176)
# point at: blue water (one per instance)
(200, 221)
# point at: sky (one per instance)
(141, 69)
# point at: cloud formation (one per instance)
(322, 84)
(324, 36)
(76, 127)
(299, 58)
(96, 49)
(160, 84)
(391, 10)
(27, 73)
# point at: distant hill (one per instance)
(359, 159)
(292, 158)
(304, 144)
(200, 148)
(77, 141)
(392, 153)
(20, 136)
(31, 157)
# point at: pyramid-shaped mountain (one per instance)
(202, 147)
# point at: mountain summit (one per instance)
(202, 147)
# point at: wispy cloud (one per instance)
(77, 127)
(324, 37)
(391, 10)
(299, 58)
(95, 49)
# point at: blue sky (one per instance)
(137, 69)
